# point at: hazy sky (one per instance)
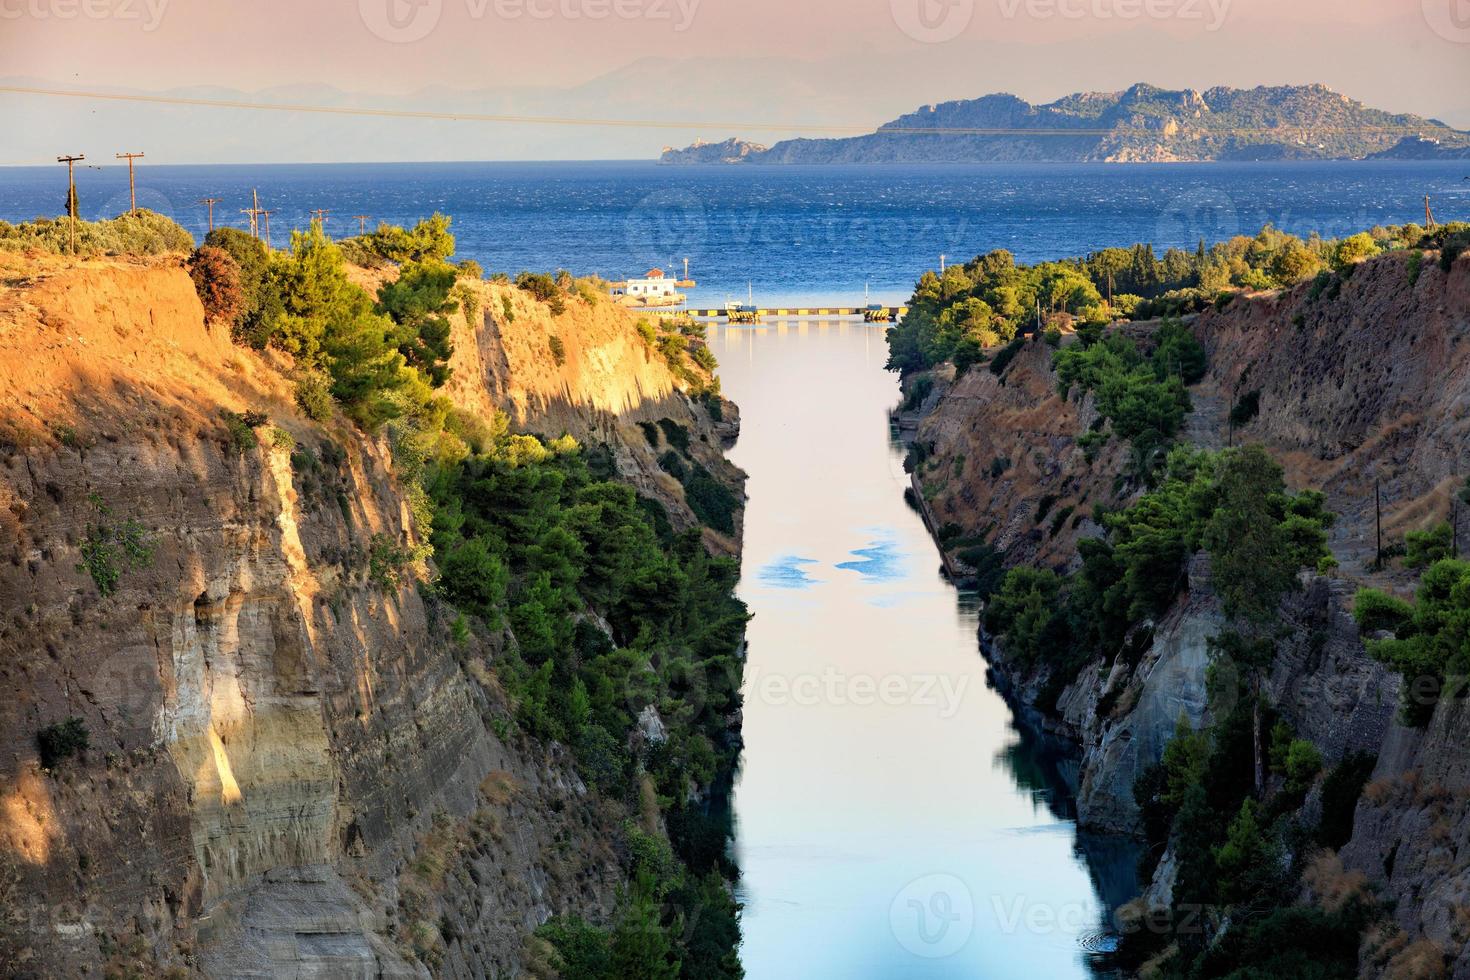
(716, 62)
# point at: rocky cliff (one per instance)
(1363, 391)
(1140, 124)
(295, 766)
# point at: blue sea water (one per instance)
(790, 235)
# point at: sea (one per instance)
(796, 235)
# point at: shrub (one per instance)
(1303, 762)
(429, 240)
(1428, 645)
(675, 434)
(544, 289)
(469, 301)
(216, 277)
(673, 464)
(260, 303)
(1426, 547)
(1352, 250)
(419, 302)
(314, 395)
(61, 741)
(140, 232)
(712, 502)
(109, 549)
(240, 434)
(1377, 611)
(672, 346)
(705, 358)
(558, 349)
(474, 579)
(386, 561)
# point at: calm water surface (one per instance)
(891, 821)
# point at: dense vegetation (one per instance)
(140, 232)
(1238, 843)
(1429, 641)
(1142, 398)
(1243, 851)
(620, 637)
(987, 301)
(1226, 799)
(1232, 503)
(612, 614)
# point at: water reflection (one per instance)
(786, 572)
(893, 821)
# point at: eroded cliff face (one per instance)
(606, 382)
(1362, 386)
(295, 768)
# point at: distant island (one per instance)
(1143, 124)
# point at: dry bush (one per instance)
(498, 787)
(1332, 886)
(1420, 960)
(216, 277)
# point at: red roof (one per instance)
(655, 274)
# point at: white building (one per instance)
(654, 289)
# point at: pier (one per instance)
(884, 314)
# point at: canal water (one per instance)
(891, 819)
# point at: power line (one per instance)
(746, 125)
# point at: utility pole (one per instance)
(321, 216)
(71, 194)
(267, 216)
(255, 212)
(132, 187)
(361, 223)
(210, 202)
(1428, 214)
(941, 263)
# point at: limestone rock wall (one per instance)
(293, 767)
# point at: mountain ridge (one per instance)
(1140, 124)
